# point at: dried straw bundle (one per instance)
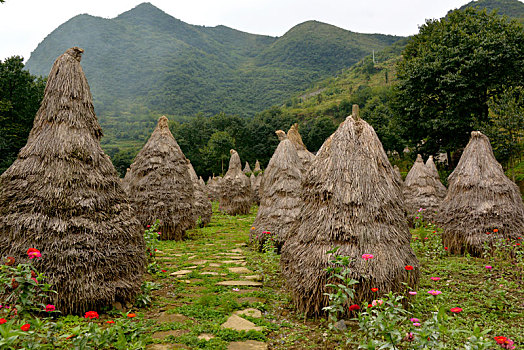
(63, 196)
(247, 169)
(236, 195)
(480, 198)
(397, 174)
(257, 167)
(350, 199)
(280, 196)
(213, 188)
(422, 190)
(306, 156)
(432, 168)
(202, 206)
(159, 184)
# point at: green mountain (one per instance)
(145, 63)
(511, 8)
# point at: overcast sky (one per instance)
(25, 23)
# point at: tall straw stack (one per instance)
(236, 196)
(351, 199)
(202, 206)
(159, 185)
(213, 188)
(63, 197)
(306, 156)
(280, 195)
(432, 168)
(423, 192)
(257, 167)
(480, 199)
(247, 169)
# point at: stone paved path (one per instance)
(198, 273)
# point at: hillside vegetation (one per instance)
(145, 63)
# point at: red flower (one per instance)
(50, 308)
(25, 327)
(517, 244)
(71, 336)
(496, 230)
(164, 270)
(500, 339)
(445, 248)
(14, 284)
(369, 305)
(91, 314)
(3, 320)
(110, 321)
(131, 315)
(409, 267)
(374, 289)
(148, 226)
(10, 261)
(488, 233)
(354, 307)
(455, 310)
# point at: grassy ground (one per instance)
(492, 299)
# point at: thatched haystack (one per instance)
(350, 199)
(280, 196)
(236, 196)
(255, 186)
(63, 197)
(432, 168)
(202, 206)
(159, 185)
(480, 198)
(397, 174)
(213, 188)
(201, 181)
(306, 156)
(422, 190)
(247, 169)
(257, 167)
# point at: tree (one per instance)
(448, 73)
(219, 145)
(20, 97)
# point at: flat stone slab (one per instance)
(253, 277)
(174, 333)
(214, 265)
(164, 317)
(247, 345)
(240, 283)
(206, 336)
(198, 262)
(237, 250)
(249, 312)
(239, 324)
(210, 273)
(191, 267)
(240, 269)
(180, 273)
(231, 261)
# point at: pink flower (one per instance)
(455, 310)
(377, 302)
(488, 267)
(159, 233)
(414, 319)
(236, 290)
(34, 253)
(416, 324)
(412, 293)
(434, 292)
(435, 279)
(49, 308)
(367, 256)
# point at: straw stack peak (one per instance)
(294, 136)
(281, 135)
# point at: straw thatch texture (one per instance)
(201, 181)
(247, 169)
(306, 156)
(213, 188)
(236, 195)
(280, 196)
(397, 174)
(432, 168)
(202, 206)
(159, 185)
(63, 197)
(422, 190)
(350, 199)
(480, 198)
(257, 167)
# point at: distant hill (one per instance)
(145, 62)
(511, 8)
